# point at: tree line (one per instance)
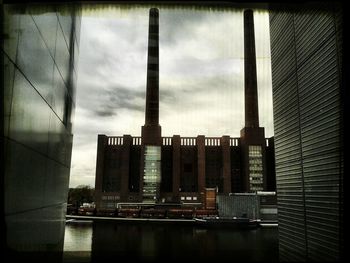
(81, 194)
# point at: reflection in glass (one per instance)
(38, 130)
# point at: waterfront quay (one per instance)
(202, 222)
(70, 218)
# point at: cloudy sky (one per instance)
(201, 77)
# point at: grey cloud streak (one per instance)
(173, 23)
(123, 98)
(107, 101)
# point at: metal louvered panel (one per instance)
(291, 248)
(287, 96)
(311, 30)
(307, 120)
(338, 16)
(283, 63)
(319, 96)
(283, 55)
(283, 20)
(288, 165)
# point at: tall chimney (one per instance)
(151, 131)
(250, 83)
(152, 95)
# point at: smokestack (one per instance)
(250, 82)
(152, 93)
(151, 131)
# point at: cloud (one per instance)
(213, 110)
(117, 98)
(174, 23)
(106, 112)
(194, 67)
(196, 33)
(107, 101)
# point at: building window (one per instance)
(255, 168)
(152, 173)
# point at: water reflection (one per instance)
(101, 241)
(77, 241)
(78, 236)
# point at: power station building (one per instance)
(156, 169)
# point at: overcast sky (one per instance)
(200, 73)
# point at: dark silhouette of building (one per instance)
(152, 168)
(306, 52)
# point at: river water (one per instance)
(88, 241)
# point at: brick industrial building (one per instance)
(152, 168)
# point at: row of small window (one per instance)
(188, 198)
(255, 150)
(149, 191)
(152, 164)
(151, 176)
(256, 189)
(253, 160)
(256, 182)
(151, 171)
(152, 151)
(151, 181)
(255, 155)
(256, 185)
(110, 197)
(255, 174)
(255, 169)
(152, 158)
(258, 179)
(149, 187)
(108, 205)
